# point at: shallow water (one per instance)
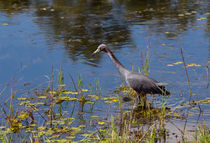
(38, 36)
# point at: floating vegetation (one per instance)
(41, 115)
(110, 99)
(188, 65)
(176, 63)
(204, 101)
(201, 18)
(193, 65)
(5, 24)
(94, 97)
(94, 116)
(101, 123)
(180, 14)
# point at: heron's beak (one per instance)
(96, 51)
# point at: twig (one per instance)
(38, 113)
(51, 104)
(207, 76)
(176, 127)
(142, 62)
(101, 135)
(189, 91)
(75, 95)
(145, 133)
(188, 81)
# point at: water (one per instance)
(38, 36)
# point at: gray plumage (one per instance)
(142, 84)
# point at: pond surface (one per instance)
(39, 36)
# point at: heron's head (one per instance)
(100, 48)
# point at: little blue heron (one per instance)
(142, 84)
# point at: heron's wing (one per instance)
(141, 83)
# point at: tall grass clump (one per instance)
(42, 114)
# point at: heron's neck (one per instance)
(123, 71)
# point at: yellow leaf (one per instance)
(82, 126)
(177, 63)
(116, 100)
(193, 64)
(23, 116)
(85, 135)
(187, 13)
(21, 98)
(38, 103)
(74, 92)
(203, 18)
(95, 97)
(105, 98)
(41, 128)
(52, 92)
(94, 116)
(66, 92)
(180, 14)
(42, 97)
(33, 125)
(84, 90)
(101, 122)
(5, 24)
(70, 137)
(76, 128)
(62, 85)
(69, 92)
(89, 102)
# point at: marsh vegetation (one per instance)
(50, 113)
(53, 90)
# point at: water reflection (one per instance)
(81, 25)
(14, 6)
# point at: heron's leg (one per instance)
(144, 101)
(140, 98)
